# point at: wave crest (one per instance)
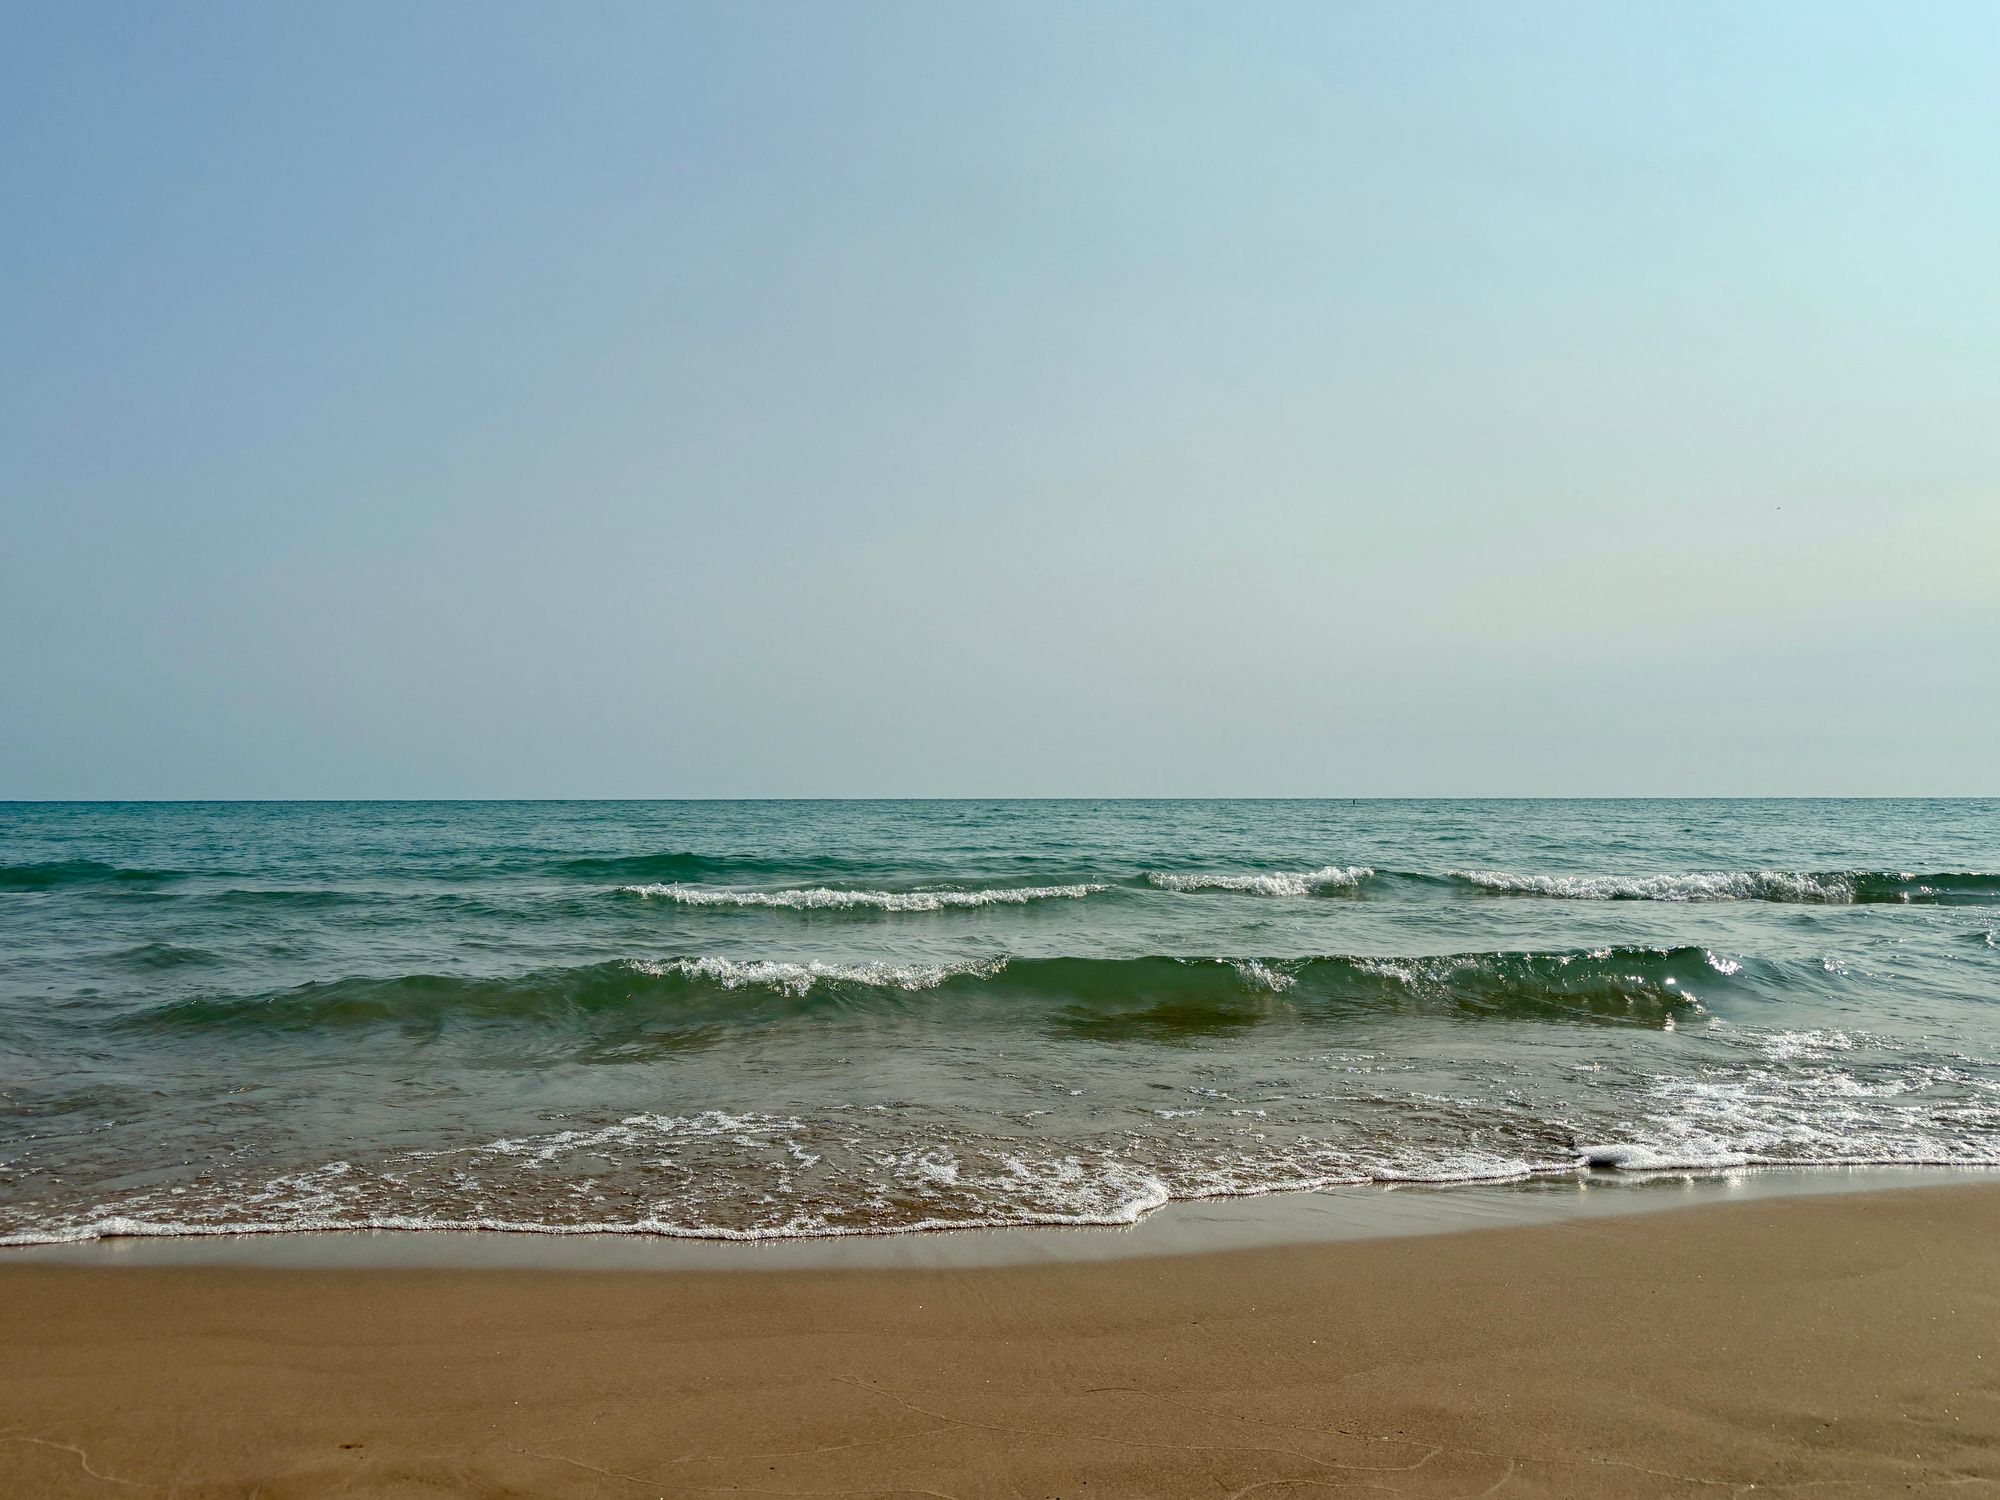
(800, 978)
(1276, 883)
(49, 875)
(1820, 887)
(826, 898)
(1159, 998)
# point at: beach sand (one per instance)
(1842, 1345)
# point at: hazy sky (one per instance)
(828, 399)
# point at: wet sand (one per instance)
(1844, 1345)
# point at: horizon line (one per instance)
(1056, 797)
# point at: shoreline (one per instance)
(1361, 1211)
(1817, 1339)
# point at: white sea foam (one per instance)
(636, 1131)
(1408, 971)
(1255, 971)
(827, 898)
(1022, 1193)
(1128, 1211)
(1765, 1097)
(1278, 883)
(1785, 1046)
(1459, 1167)
(1735, 885)
(798, 979)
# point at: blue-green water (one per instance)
(759, 1019)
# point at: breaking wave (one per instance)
(826, 898)
(1161, 998)
(1325, 880)
(1829, 887)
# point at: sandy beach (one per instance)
(1844, 1342)
(980, 751)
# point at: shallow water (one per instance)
(774, 1019)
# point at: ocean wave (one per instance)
(1160, 998)
(147, 956)
(1823, 887)
(1326, 879)
(299, 898)
(826, 898)
(802, 978)
(686, 864)
(49, 875)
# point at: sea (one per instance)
(766, 1020)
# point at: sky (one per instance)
(993, 399)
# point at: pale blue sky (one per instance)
(916, 399)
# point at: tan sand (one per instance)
(1835, 1346)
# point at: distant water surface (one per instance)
(758, 1020)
